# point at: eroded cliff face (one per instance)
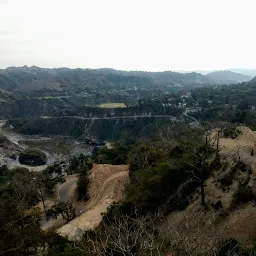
(91, 128)
(30, 108)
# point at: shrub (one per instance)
(79, 164)
(227, 179)
(231, 132)
(242, 166)
(82, 187)
(83, 181)
(217, 205)
(242, 195)
(116, 155)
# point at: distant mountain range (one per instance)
(244, 71)
(228, 77)
(64, 80)
(29, 79)
(233, 75)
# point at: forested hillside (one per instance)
(32, 91)
(31, 79)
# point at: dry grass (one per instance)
(241, 225)
(240, 147)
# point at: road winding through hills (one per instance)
(65, 189)
(112, 117)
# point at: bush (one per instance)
(242, 166)
(79, 164)
(228, 247)
(227, 180)
(117, 155)
(32, 157)
(231, 132)
(82, 187)
(83, 181)
(243, 195)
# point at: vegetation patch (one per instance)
(242, 195)
(231, 132)
(32, 157)
(227, 179)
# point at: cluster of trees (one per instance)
(20, 192)
(116, 154)
(176, 156)
(32, 157)
(167, 171)
(81, 165)
(235, 103)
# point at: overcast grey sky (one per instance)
(128, 34)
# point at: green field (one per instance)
(112, 105)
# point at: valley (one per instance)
(127, 128)
(160, 154)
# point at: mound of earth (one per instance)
(107, 183)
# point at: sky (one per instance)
(151, 35)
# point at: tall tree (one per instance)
(198, 153)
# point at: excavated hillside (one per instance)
(106, 185)
(229, 192)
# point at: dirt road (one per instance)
(107, 183)
(65, 189)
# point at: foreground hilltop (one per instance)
(229, 195)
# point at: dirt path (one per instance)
(107, 189)
(107, 183)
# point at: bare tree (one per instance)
(126, 235)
